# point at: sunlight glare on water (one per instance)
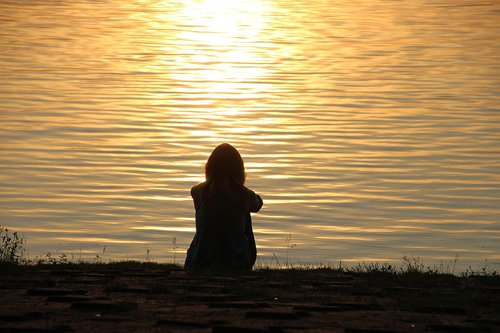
(371, 129)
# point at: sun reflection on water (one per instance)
(220, 63)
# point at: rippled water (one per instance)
(370, 128)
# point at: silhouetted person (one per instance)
(224, 239)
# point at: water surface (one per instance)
(371, 129)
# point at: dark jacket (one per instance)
(224, 239)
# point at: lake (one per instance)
(371, 129)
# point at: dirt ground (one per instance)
(156, 298)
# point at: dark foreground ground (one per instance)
(162, 298)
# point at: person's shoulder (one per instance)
(253, 200)
(249, 194)
(197, 188)
(248, 191)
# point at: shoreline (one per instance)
(147, 297)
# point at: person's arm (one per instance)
(258, 203)
(255, 201)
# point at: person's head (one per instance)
(225, 163)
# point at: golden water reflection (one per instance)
(370, 137)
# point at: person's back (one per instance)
(224, 239)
